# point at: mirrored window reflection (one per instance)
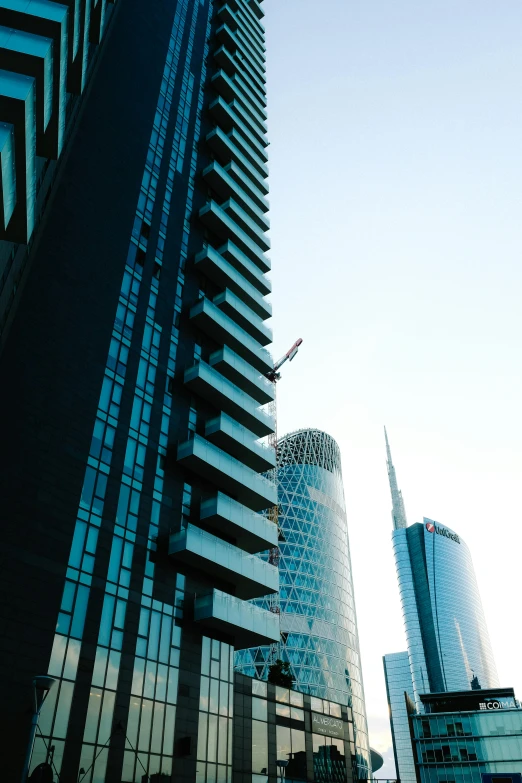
(291, 755)
(214, 747)
(329, 759)
(259, 748)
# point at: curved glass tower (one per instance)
(448, 641)
(318, 619)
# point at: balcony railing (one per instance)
(224, 330)
(252, 532)
(232, 305)
(227, 183)
(250, 576)
(214, 266)
(227, 152)
(209, 383)
(242, 375)
(240, 442)
(250, 625)
(227, 473)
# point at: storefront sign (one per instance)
(324, 724)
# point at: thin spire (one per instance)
(398, 510)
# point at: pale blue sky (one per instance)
(396, 195)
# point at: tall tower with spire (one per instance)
(398, 510)
(448, 646)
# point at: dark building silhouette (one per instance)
(133, 361)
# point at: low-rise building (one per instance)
(468, 737)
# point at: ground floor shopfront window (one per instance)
(329, 760)
(291, 755)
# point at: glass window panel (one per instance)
(203, 694)
(150, 679)
(100, 766)
(215, 649)
(63, 710)
(259, 747)
(222, 741)
(68, 596)
(172, 687)
(212, 737)
(143, 629)
(296, 769)
(283, 710)
(138, 676)
(202, 736)
(259, 709)
(80, 531)
(214, 695)
(157, 728)
(223, 698)
(145, 725)
(168, 735)
(201, 772)
(166, 633)
(119, 615)
(117, 639)
(174, 657)
(214, 669)
(221, 774)
(176, 638)
(282, 695)
(87, 757)
(161, 682)
(296, 714)
(259, 688)
(225, 662)
(105, 730)
(64, 623)
(155, 622)
(296, 699)
(57, 655)
(335, 710)
(283, 750)
(133, 721)
(205, 656)
(71, 660)
(47, 712)
(166, 766)
(127, 773)
(113, 670)
(106, 620)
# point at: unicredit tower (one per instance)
(446, 634)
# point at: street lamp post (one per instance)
(42, 684)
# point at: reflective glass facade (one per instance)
(448, 641)
(318, 619)
(134, 483)
(461, 747)
(398, 682)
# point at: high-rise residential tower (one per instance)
(446, 635)
(317, 605)
(133, 362)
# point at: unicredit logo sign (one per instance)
(441, 531)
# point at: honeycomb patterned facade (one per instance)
(318, 619)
